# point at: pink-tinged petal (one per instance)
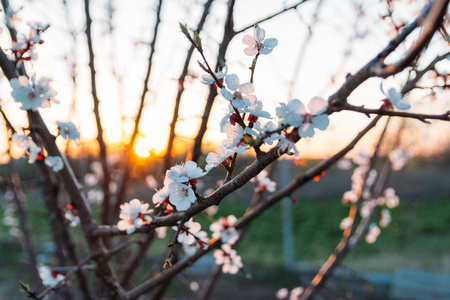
(232, 82)
(258, 33)
(317, 105)
(248, 40)
(250, 51)
(194, 227)
(247, 88)
(144, 208)
(123, 225)
(23, 80)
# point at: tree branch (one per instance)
(101, 142)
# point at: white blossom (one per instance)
(373, 233)
(291, 113)
(223, 229)
(49, 277)
(399, 158)
(68, 130)
(181, 195)
(185, 172)
(208, 79)
(263, 182)
(385, 218)
(395, 98)
(131, 215)
(258, 43)
(214, 159)
(228, 259)
(54, 162)
(240, 95)
(314, 118)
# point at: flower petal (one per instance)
(271, 43)
(250, 51)
(232, 82)
(248, 40)
(317, 105)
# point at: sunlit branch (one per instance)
(133, 262)
(59, 230)
(431, 20)
(229, 34)
(72, 186)
(383, 112)
(100, 139)
(376, 68)
(412, 83)
(294, 6)
(181, 79)
(129, 148)
(252, 214)
(227, 37)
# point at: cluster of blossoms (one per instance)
(243, 102)
(179, 186)
(362, 181)
(191, 237)
(132, 215)
(71, 216)
(24, 48)
(294, 294)
(399, 158)
(228, 259)
(263, 183)
(223, 229)
(36, 153)
(32, 95)
(226, 256)
(27, 144)
(9, 214)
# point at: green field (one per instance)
(418, 238)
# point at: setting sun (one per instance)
(143, 147)
(149, 146)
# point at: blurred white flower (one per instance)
(373, 233)
(208, 79)
(240, 95)
(131, 215)
(223, 229)
(228, 259)
(49, 277)
(68, 130)
(54, 162)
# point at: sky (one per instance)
(125, 51)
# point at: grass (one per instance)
(419, 238)
(419, 235)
